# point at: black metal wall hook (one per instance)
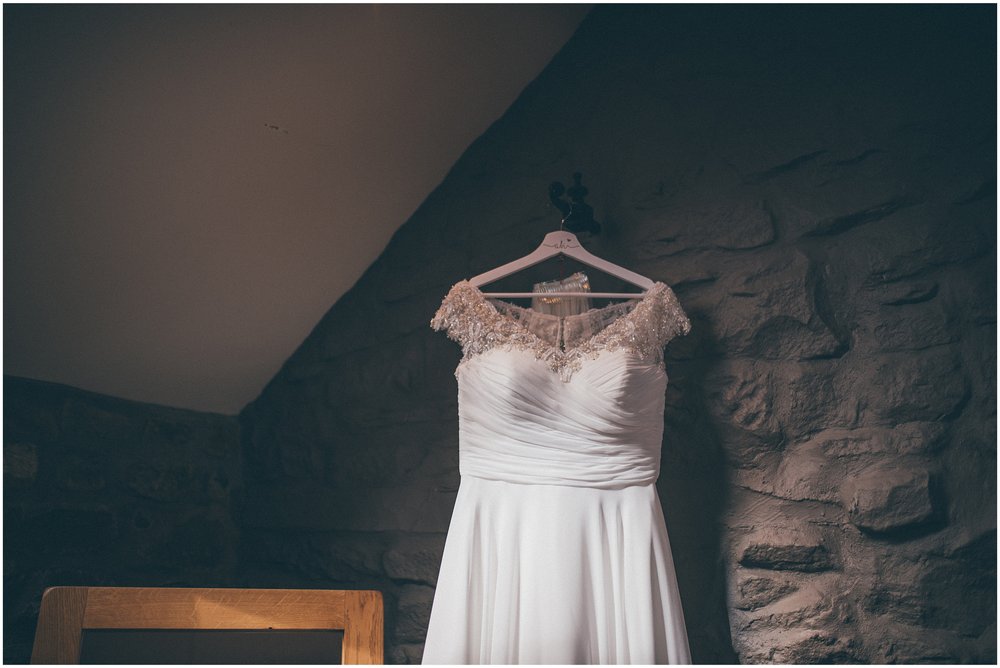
(578, 216)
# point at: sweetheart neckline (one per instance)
(584, 345)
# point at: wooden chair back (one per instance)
(66, 611)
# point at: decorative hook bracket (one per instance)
(578, 216)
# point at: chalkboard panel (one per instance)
(194, 646)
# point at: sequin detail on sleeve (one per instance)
(450, 316)
(477, 326)
(672, 320)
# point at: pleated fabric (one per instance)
(557, 550)
(543, 574)
(519, 422)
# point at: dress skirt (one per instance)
(556, 574)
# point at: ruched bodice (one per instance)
(519, 422)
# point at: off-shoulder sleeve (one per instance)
(671, 319)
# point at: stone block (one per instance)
(785, 612)
(767, 310)
(785, 548)
(781, 627)
(907, 292)
(808, 398)
(910, 645)
(749, 452)
(899, 600)
(757, 592)
(911, 387)
(742, 394)
(889, 590)
(905, 250)
(887, 497)
(958, 590)
(912, 327)
(907, 438)
(914, 331)
(415, 557)
(820, 647)
(413, 611)
(405, 653)
(806, 472)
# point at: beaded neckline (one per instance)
(589, 313)
(587, 343)
(469, 317)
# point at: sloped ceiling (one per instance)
(188, 189)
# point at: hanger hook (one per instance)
(562, 226)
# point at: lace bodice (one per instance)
(479, 323)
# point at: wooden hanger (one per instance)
(565, 243)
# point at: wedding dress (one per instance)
(557, 550)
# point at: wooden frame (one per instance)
(66, 611)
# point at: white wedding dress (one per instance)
(557, 550)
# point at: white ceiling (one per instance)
(188, 188)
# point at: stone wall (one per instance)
(107, 492)
(817, 184)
